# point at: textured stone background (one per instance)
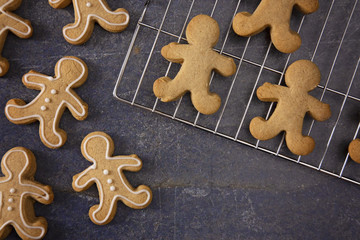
(204, 187)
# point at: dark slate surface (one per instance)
(204, 187)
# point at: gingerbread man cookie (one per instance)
(56, 95)
(11, 22)
(198, 59)
(17, 189)
(354, 150)
(107, 173)
(293, 102)
(276, 15)
(87, 12)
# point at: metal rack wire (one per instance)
(330, 157)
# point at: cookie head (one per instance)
(303, 74)
(203, 30)
(18, 161)
(97, 145)
(71, 70)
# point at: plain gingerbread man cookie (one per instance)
(17, 192)
(107, 173)
(87, 12)
(198, 59)
(56, 94)
(293, 102)
(274, 14)
(11, 22)
(354, 150)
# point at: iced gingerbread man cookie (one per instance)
(354, 150)
(107, 173)
(198, 59)
(87, 12)
(17, 192)
(56, 94)
(293, 102)
(13, 23)
(274, 14)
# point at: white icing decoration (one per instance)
(101, 194)
(47, 100)
(46, 197)
(109, 181)
(12, 190)
(88, 4)
(112, 188)
(15, 19)
(106, 172)
(43, 108)
(75, 2)
(61, 140)
(9, 209)
(53, 91)
(11, 200)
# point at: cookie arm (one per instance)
(269, 92)
(173, 52)
(35, 80)
(307, 6)
(39, 192)
(76, 106)
(318, 110)
(224, 65)
(83, 180)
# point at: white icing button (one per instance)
(47, 100)
(11, 200)
(9, 208)
(112, 188)
(88, 4)
(106, 172)
(109, 181)
(43, 108)
(12, 190)
(53, 91)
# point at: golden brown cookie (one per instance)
(107, 173)
(293, 102)
(11, 22)
(56, 94)
(354, 150)
(87, 12)
(198, 59)
(18, 190)
(274, 14)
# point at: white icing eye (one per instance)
(106, 172)
(109, 181)
(47, 100)
(53, 91)
(12, 190)
(9, 209)
(43, 108)
(11, 200)
(88, 4)
(112, 188)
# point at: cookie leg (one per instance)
(28, 230)
(17, 112)
(139, 198)
(168, 90)
(284, 39)
(299, 144)
(205, 102)
(4, 66)
(19, 27)
(80, 31)
(103, 213)
(354, 150)
(50, 134)
(245, 24)
(307, 6)
(264, 130)
(113, 21)
(5, 230)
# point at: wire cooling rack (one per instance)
(330, 39)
